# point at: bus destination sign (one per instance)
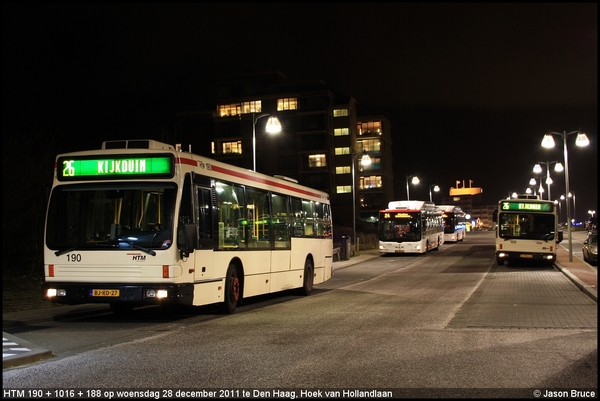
(528, 206)
(134, 166)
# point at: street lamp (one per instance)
(592, 213)
(532, 183)
(548, 142)
(364, 161)
(415, 180)
(273, 127)
(436, 188)
(538, 169)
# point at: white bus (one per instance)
(410, 227)
(139, 222)
(527, 230)
(455, 223)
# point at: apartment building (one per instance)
(321, 137)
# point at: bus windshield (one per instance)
(400, 229)
(526, 225)
(124, 215)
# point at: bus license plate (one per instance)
(526, 256)
(399, 250)
(106, 293)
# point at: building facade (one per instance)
(321, 141)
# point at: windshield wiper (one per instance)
(83, 246)
(141, 248)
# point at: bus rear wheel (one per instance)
(232, 290)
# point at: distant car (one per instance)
(590, 248)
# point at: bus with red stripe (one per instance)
(140, 222)
(410, 227)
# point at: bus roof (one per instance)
(449, 208)
(410, 205)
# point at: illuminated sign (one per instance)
(527, 206)
(114, 166)
(388, 215)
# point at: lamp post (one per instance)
(436, 188)
(273, 127)
(538, 169)
(364, 161)
(572, 195)
(415, 180)
(562, 198)
(548, 142)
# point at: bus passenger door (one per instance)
(204, 211)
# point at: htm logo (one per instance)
(139, 257)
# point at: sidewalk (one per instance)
(582, 274)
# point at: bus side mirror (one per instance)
(186, 239)
(559, 237)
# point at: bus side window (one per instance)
(281, 221)
(204, 217)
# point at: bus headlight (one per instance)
(56, 292)
(152, 293)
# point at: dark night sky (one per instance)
(470, 88)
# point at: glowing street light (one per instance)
(415, 181)
(548, 142)
(538, 170)
(436, 188)
(273, 127)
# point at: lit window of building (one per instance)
(232, 147)
(369, 128)
(340, 113)
(228, 110)
(341, 131)
(370, 182)
(343, 189)
(342, 151)
(371, 145)
(253, 106)
(287, 103)
(317, 161)
(343, 170)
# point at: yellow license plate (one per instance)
(527, 256)
(399, 250)
(106, 293)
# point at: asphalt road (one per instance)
(446, 324)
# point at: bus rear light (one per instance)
(165, 271)
(50, 270)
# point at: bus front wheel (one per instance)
(308, 278)
(232, 290)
